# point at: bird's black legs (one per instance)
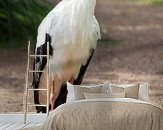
(62, 96)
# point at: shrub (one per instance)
(19, 19)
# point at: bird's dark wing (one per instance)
(38, 65)
(63, 92)
(83, 69)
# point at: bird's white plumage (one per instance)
(68, 21)
(74, 30)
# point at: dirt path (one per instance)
(139, 57)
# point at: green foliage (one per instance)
(152, 1)
(19, 19)
(111, 41)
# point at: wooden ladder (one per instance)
(27, 86)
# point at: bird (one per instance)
(71, 30)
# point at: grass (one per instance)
(110, 41)
(151, 1)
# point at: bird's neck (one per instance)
(78, 19)
(83, 10)
(86, 6)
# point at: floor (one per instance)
(17, 126)
(16, 121)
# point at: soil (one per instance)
(135, 55)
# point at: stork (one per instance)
(72, 31)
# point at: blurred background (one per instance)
(131, 49)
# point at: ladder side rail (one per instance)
(26, 87)
(48, 70)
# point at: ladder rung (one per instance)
(37, 89)
(37, 105)
(38, 55)
(37, 71)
